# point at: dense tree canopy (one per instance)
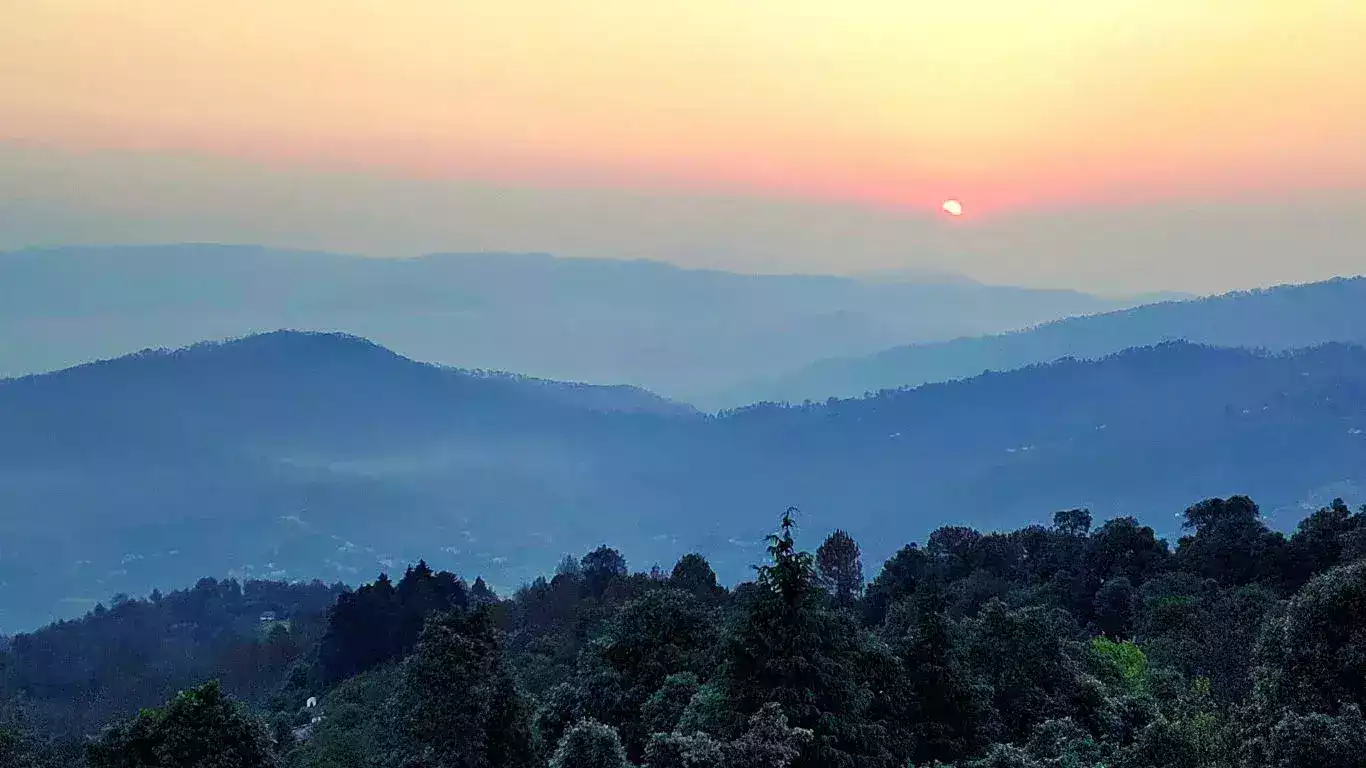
(1067, 646)
(199, 728)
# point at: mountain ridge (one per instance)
(1276, 318)
(171, 466)
(679, 332)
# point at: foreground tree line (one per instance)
(1061, 647)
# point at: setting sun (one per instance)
(952, 207)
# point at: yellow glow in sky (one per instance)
(1000, 102)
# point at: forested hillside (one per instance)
(73, 677)
(309, 456)
(1277, 319)
(1070, 644)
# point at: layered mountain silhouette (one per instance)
(1279, 318)
(684, 333)
(298, 455)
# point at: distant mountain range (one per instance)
(683, 333)
(293, 455)
(1280, 318)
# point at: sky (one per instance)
(1101, 144)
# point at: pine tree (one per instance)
(463, 708)
(791, 649)
(840, 567)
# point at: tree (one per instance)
(480, 594)
(1115, 608)
(363, 727)
(840, 568)
(601, 567)
(199, 728)
(1308, 741)
(360, 630)
(462, 706)
(381, 622)
(953, 550)
(1072, 522)
(589, 744)
(694, 574)
(1322, 539)
(1023, 654)
(949, 709)
(1313, 657)
(788, 647)
(664, 632)
(899, 578)
(1123, 548)
(1231, 544)
(1121, 663)
(768, 742)
(569, 566)
(663, 711)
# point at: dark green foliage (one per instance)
(685, 750)
(1116, 607)
(1026, 655)
(1313, 655)
(692, 573)
(199, 728)
(710, 711)
(461, 707)
(380, 622)
(76, 677)
(1072, 522)
(589, 744)
(791, 649)
(839, 567)
(899, 578)
(1328, 537)
(664, 632)
(663, 711)
(13, 748)
(1122, 548)
(1040, 648)
(1167, 744)
(1231, 544)
(363, 726)
(954, 550)
(768, 742)
(1056, 744)
(480, 594)
(1200, 629)
(1308, 741)
(550, 625)
(557, 710)
(1065, 744)
(948, 709)
(601, 567)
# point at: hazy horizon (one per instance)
(51, 197)
(1104, 146)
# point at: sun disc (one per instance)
(953, 207)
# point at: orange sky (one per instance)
(997, 102)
